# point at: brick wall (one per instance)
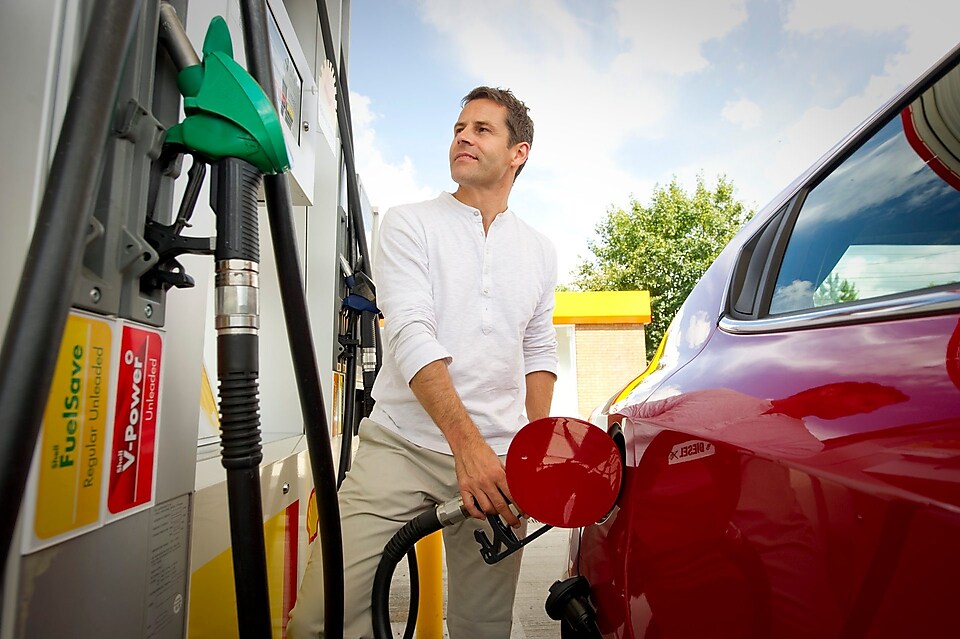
(608, 357)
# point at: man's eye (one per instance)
(482, 129)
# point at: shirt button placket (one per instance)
(485, 290)
(485, 284)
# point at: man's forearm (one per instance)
(539, 394)
(434, 389)
(480, 473)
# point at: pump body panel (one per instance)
(128, 533)
(792, 455)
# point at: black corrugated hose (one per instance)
(446, 514)
(398, 546)
(349, 392)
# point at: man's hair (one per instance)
(518, 118)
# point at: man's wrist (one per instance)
(464, 436)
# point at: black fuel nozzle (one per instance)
(569, 603)
(505, 541)
(237, 321)
(166, 239)
(361, 292)
(361, 300)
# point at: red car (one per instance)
(792, 455)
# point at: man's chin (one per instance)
(464, 178)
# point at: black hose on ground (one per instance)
(414, 609)
(398, 546)
(402, 543)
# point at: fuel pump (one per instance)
(360, 324)
(107, 195)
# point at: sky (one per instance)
(628, 94)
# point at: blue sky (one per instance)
(626, 94)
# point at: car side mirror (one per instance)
(564, 472)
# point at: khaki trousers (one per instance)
(391, 482)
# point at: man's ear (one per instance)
(520, 154)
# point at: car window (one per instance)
(887, 220)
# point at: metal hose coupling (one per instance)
(237, 297)
(452, 512)
(237, 321)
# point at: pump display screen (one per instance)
(288, 85)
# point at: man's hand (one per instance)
(483, 482)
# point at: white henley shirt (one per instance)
(482, 302)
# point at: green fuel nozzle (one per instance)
(228, 114)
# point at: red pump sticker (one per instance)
(135, 420)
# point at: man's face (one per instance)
(480, 155)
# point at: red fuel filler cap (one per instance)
(564, 472)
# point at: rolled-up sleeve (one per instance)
(540, 338)
(404, 295)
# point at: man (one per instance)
(466, 290)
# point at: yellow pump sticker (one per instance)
(70, 461)
(336, 426)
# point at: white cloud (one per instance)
(930, 31)
(795, 296)
(928, 28)
(698, 329)
(587, 110)
(744, 113)
(763, 160)
(387, 183)
(669, 36)
(932, 20)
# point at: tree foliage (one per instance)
(663, 247)
(833, 290)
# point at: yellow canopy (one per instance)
(602, 307)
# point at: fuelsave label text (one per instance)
(74, 430)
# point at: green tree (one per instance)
(833, 290)
(663, 248)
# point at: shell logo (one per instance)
(313, 516)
